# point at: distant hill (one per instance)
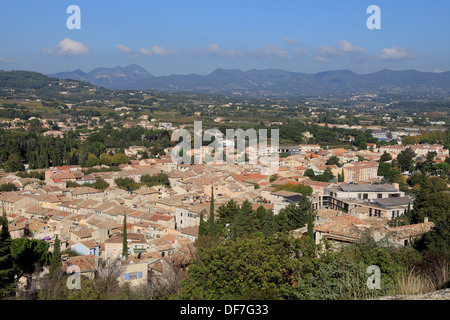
(111, 78)
(273, 82)
(269, 82)
(25, 80)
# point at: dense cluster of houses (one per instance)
(162, 222)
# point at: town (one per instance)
(95, 182)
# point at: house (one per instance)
(135, 273)
(86, 248)
(189, 215)
(80, 234)
(367, 192)
(360, 171)
(405, 235)
(86, 265)
(281, 199)
(190, 232)
(18, 230)
(13, 203)
(114, 245)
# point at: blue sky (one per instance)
(197, 36)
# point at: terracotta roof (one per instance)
(85, 263)
(192, 231)
(413, 230)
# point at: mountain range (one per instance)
(268, 82)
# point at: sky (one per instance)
(198, 36)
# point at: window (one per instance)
(133, 275)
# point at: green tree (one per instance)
(431, 200)
(105, 159)
(201, 227)
(273, 178)
(14, 164)
(437, 239)
(227, 212)
(7, 187)
(212, 230)
(91, 161)
(310, 225)
(269, 227)
(55, 262)
(298, 214)
(443, 169)
(309, 173)
(28, 254)
(255, 268)
(304, 190)
(127, 183)
(385, 157)
(333, 160)
(125, 240)
(405, 160)
(120, 158)
(384, 169)
(100, 184)
(7, 284)
(260, 216)
(245, 222)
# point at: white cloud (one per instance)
(395, 53)
(157, 51)
(325, 52)
(290, 40)
(271, 51)
(124, 49)
(320, 58)
(67, 47)
(213, 49)
(346, 47)
(343, 48)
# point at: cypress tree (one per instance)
(211, 222)
(201, 227)
(311, 226)
(55, 263)
(125, 240)
(7, 285)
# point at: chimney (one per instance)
(425, 220)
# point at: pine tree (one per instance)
(211, 222)
(125, 240)
(7, 285)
